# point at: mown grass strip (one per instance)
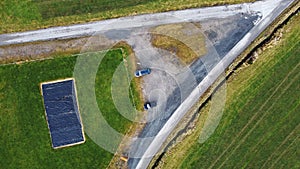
(20, 15)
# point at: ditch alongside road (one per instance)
(249, 58)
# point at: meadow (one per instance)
(20, 15)
(261, 121)
(25, 140)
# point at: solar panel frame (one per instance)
(62, 113)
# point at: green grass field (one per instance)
(20, 15)
(25, 140)
(260, 126)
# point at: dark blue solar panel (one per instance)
(62, 113)
(70, 137)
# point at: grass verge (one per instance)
(25, 140)
(135, 83)
(20, 15)
(260, 125)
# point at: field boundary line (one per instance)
(253, 76)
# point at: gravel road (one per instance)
(174, 86)
(80, 30)
(207, 81)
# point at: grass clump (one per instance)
(185, 40)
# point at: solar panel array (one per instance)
(62, 113)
